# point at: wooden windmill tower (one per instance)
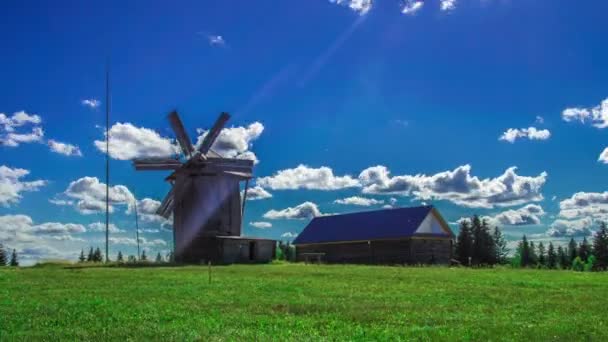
(205, 200)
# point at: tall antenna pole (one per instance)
(137, 230)
(107, 158)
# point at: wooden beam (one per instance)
(213, 133)
(180, 133)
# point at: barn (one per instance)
(416, 235)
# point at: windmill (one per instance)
(205, 200)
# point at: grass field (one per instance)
(301, 302)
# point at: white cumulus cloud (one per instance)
(130, 142)
(261, 224)
(12, 185)
(12, 132)
(530, 133)
(359, 6)
(126, 241)
(603, 156)
(257, 193)
(64, 148)
(457, 186)
(91, 195)
(306, 210)
(101, 227)
(289, 235)
(359, 201)
(91, 103)
(527, 215)
(411, 6)
(596, 116)
(447, 5)
(235, 142)
(304, 177)
(571, 228)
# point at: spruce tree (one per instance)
(14, 261)
(91, 256)
(584, 250)
(572, 250)
(464, 243)
(562, 258)
(159, 258)
(551, 256)
(525, 252)
(119, 257)
(143, 256)
(479, 243)
(600, 247)
(542, 257)
(82, 258)
(500, 246)
(488, 247)
(97, 256)
(3, 256)
(533, 256)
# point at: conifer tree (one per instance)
(97, 256)
(525, 252)
(464, 243)
(159, 258)
(600, 248)
(143, 257)
(119, 257)
(533, 256)
(542, 257)
(82, 258)
(551, 256)
(91, 256)
(584, 250)
(572, 250)
(14, 261)
(500, 246)
(3, 256)
(478, 240)
(562, 258)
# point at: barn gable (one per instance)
(375, 225)
(433, 224)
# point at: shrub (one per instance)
(590, 263)
(578, 265)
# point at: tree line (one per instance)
(479, 245)
(96, 256)
(584, 256)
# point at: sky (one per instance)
(490, 107)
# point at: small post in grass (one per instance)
(209, 268)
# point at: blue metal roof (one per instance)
(369, 225)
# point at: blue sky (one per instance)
(373, 103)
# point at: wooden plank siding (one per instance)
(415, 250)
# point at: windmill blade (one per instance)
(180, 133)
(240, 175)
(156, 164)
(213, 133)
(166, 206)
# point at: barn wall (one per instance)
(403, 251)
(240, 250)
(427, 251)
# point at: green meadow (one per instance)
(301, 302)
